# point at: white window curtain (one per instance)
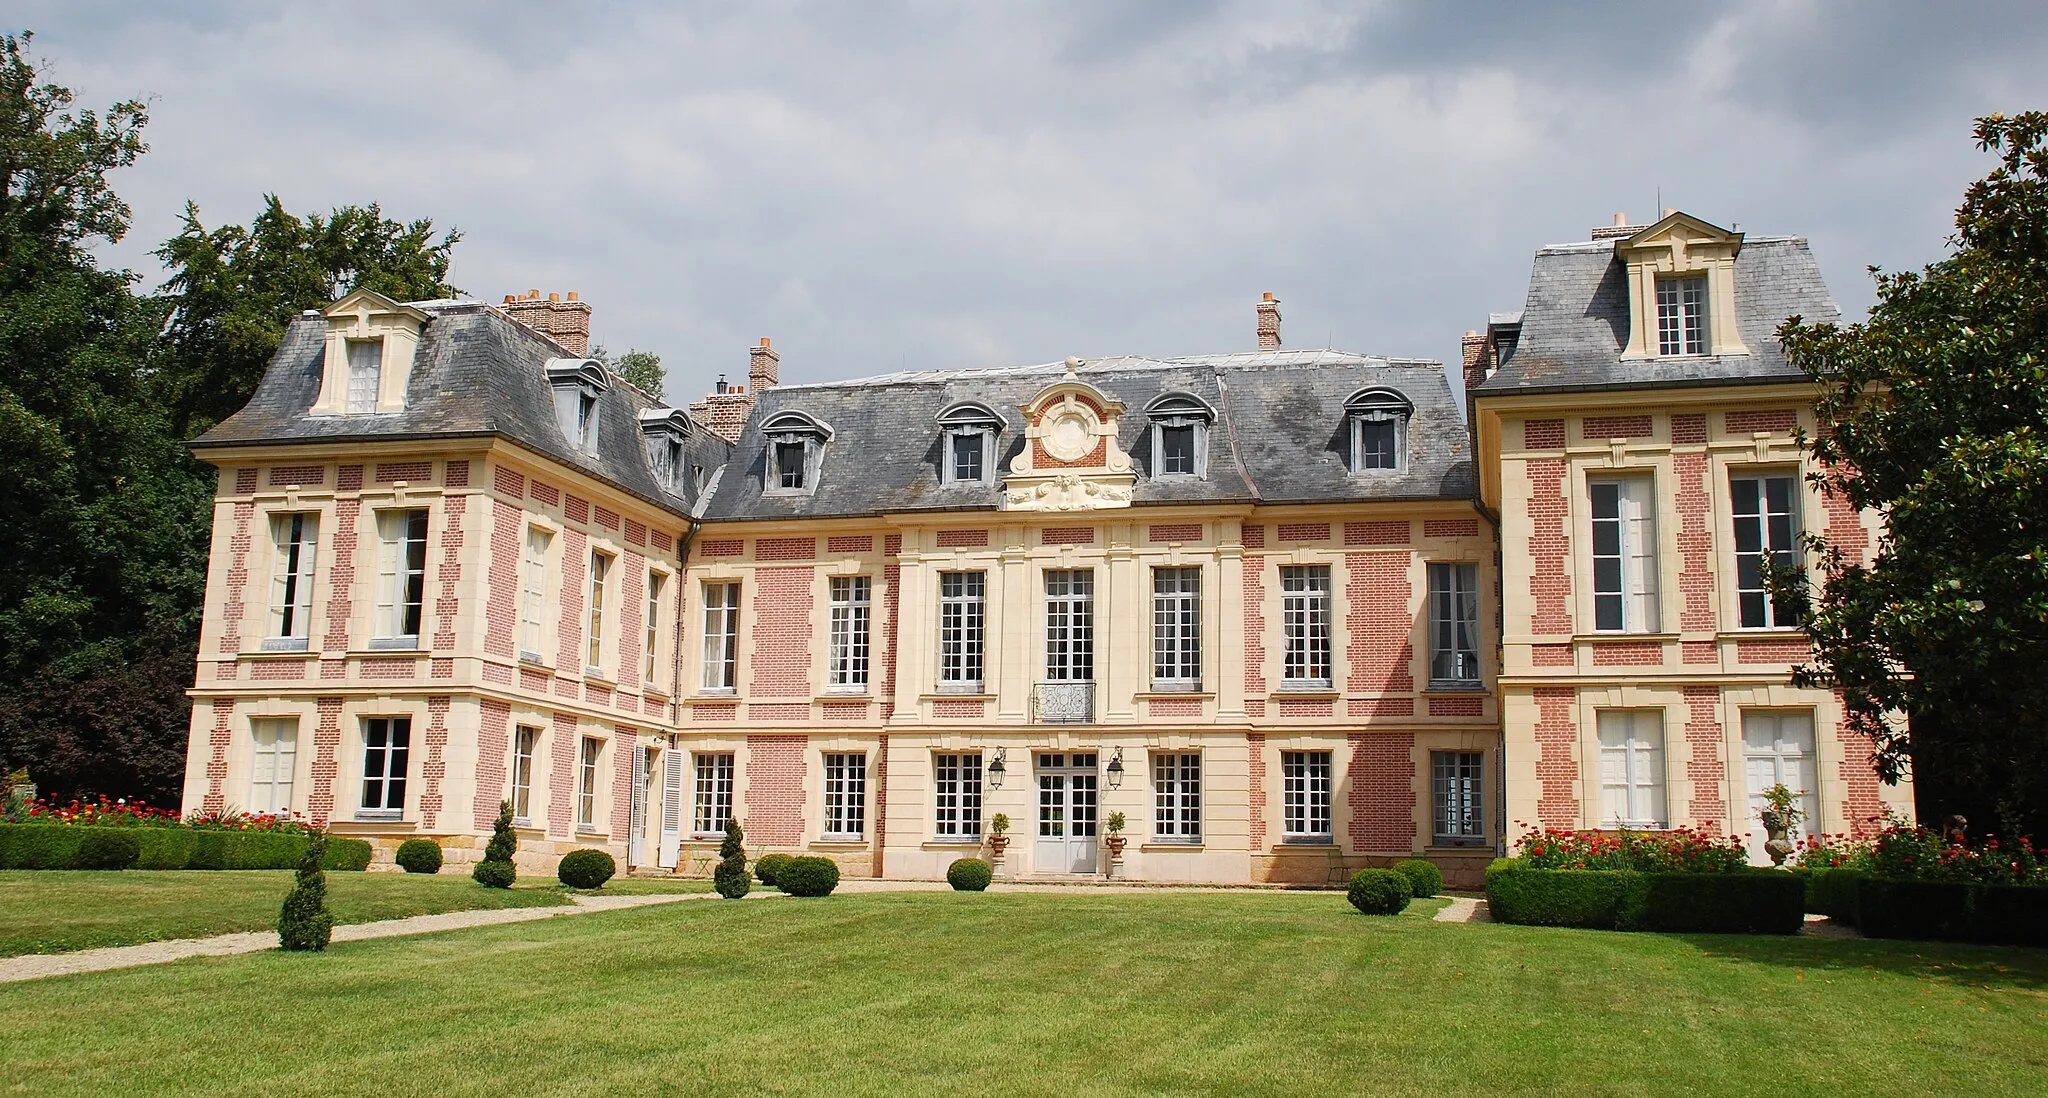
(1624, 555)
(1778, 749)
(533, 596)
(1632, 768)
(275, 762)
(365, 372)
(721, 635)
(401, 573)
(294, 538)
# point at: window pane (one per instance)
(713, 802)
(1305, 794)
(1766, 535)
(1177, 450)
(957, 795)
(1457, 787)
(1454, 622)
(789, 464)
(1376, 442)
(721, 635)
(1177, 797)
(1177, 625)
(846, 778)
(848, 660)
(365, 367)
(1305, 619)
(960, 627)
(1070, 626)
(967, 452)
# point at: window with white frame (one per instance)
(1632, 767)
(1177, 797)
(962, 617)
(524, 740)
(1070, 625)
(586, 783)
(1624, 555)
(721, 636)
(1176, 629)
(1682, 316)
(577, 383)
(600, 573)
(968, 437)
(293, 538)
(401, 577)
(387, 744)
(1778, 749)
(1377, 425)
(1454, 625)
(846, 795)
(713, 807)
(657, 582)
(956, 790)
(796, 448)
(1305, 623)
(1766, 507)
(1179, 435)
(664, 433)
(847, 661)
(533, 594)
(1305, 796)
(1457, 786)
(365, 373)
(275, 761)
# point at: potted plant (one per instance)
(1780, 815)
(1115, 842)
(998, 833)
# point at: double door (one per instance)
(1778, 749)
(1066, 839)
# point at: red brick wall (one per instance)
(576, 509)
(1551, 655)
(775, 789)
(1557, 757)
(1376, 533)
(721, 547)
(341, 578)
(435, 766)
(449, 573)
(1703, 767)
(245, 481)
(1174, 707)
(892, 593)
(1254, 537)
(217, 742)
(1695, 574)
(1175, 531)
(575, 561)
(852, 543)
(1379, 624)
(625, 744)
(348, 478)
(508, 483)
(1845, 527)
(566, 739)
(303, 475)
(879, 818)
(1774, 419)
(501, 597)
(326, 760)
(1543, 434)
(1255, 745)
(1550, 584)
(1067, 535)
(546, 493)
(1864, 808)
(237, 580)
(607, 518)
(387, 668)
(1450, 528)
(1307, 708)
(798, 711)
(1783, 650)
(632, 620)
(493, 749)
(956, 709)
(1597, 428)
(962, 538)
(412, 472)
(1379, 707)
(1688, 429)
(785, 548)
(782, 633)
(1382, 791)
(1699, 652)
(1304, 531)
(456, 474)
(1474, 706)
(1254, 625)
(1629, 654)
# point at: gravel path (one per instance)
(1464, 909)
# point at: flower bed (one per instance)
(1911, 882)
(1681, 850)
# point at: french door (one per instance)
(1066, 813)
(643, 788)
(672, 761)
(1777, 748)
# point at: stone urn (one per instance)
(996, 842)
(1115, 843)
(1778, 828)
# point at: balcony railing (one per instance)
(1063, 703)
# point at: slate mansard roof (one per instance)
(1279, 436)
(475, 374)
(1575, 322)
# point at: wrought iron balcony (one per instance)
(1063, 703)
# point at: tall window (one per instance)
(721, 635)
(1457, 786)
(523, 741)
(365, 369)
(1176, 628)
(1682, 316)
(1305, 617)
(1766, 536)
(848, 666)
(846, 795)
(714, 795)
(656, 582)
(1624, 555)
(961, 617)
(600, 571)
(956, 785)
(387, 741)
(1454, 624)
(401, 575)
(966, 452)
(586, 784)
(1778, 749)
(1177, 797)
(1070, 626)
(1632, 768)
(276, 760)
(291, 580)
(1305, 796)
(533, 595)
(1377, 421)
(968, 431)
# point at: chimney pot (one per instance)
(508, 299)
(572, 295)
(1620, 219)
(1668, 211)
(1269, 322)
(554, 297)
(765, 342)
(565, 322)
(532, 293)
(764, 366)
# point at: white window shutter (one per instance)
(1639, 517)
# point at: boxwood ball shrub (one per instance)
(808, 877)
(969, 875)
(1424, 878)
(1379, 891)
(586, 868)
(767, 866)
(419, 856)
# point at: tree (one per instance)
(641, 368)
(303, 922)
(1936, 414)
(232, 291)
(729, 877)
(496, 869)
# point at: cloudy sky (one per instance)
(888, 185)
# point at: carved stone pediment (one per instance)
(1071, 460)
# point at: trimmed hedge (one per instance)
(56, 846)
(586, 867)
(1833, 892)
(419, 856)
(808, 876)
(1750, 902)
(766, 866)
(969, 875)
(1952, 911)
(1378, 891)
(1424, 878)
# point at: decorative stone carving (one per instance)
(1071, 460)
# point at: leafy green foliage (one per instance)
(108, 848)
(969, 875)
(1378, 891)
(304, 923)
(496, 869)
(1935, 412)
(1746, 902)
(729, 876)
(48, 846)
(1424, 878)
(767, 865)
(419, 856)
(641, 368)
(494, 874)
(808, 877)
(586, 867)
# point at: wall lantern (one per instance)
(1116, 769)
(996, 769)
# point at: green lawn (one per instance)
(1062, 995)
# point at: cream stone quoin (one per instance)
(1281, 608)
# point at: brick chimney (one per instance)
(724, 410)
(764, 368)
(565, 322)
(1269, 322)
(1620, 228)
(1477, 358)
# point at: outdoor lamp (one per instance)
(996, 769)
(1116, 769)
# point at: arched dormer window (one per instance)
(968, 443)
(666, 431)
(577, 383)
(796, 448)
(1180, 435)
(1378, 422)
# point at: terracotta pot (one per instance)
(1115, 843)
(996, 843)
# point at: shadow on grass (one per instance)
(1955, 962)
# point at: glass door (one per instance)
(1777, 748)
(1066, 840)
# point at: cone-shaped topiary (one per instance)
(969, 875)
(303, 923)
(1379, 891)
(730, 877)
(496, 870)
(1424, 878)
(587, 867)
(419, 856)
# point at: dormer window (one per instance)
(365, 371)
(968, 436)
(1378, 421)
(1682, 316)
(577, 383)
(666, 432)
(1681, 289)
(367, 357)
(796, 448)
(1180, 435)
